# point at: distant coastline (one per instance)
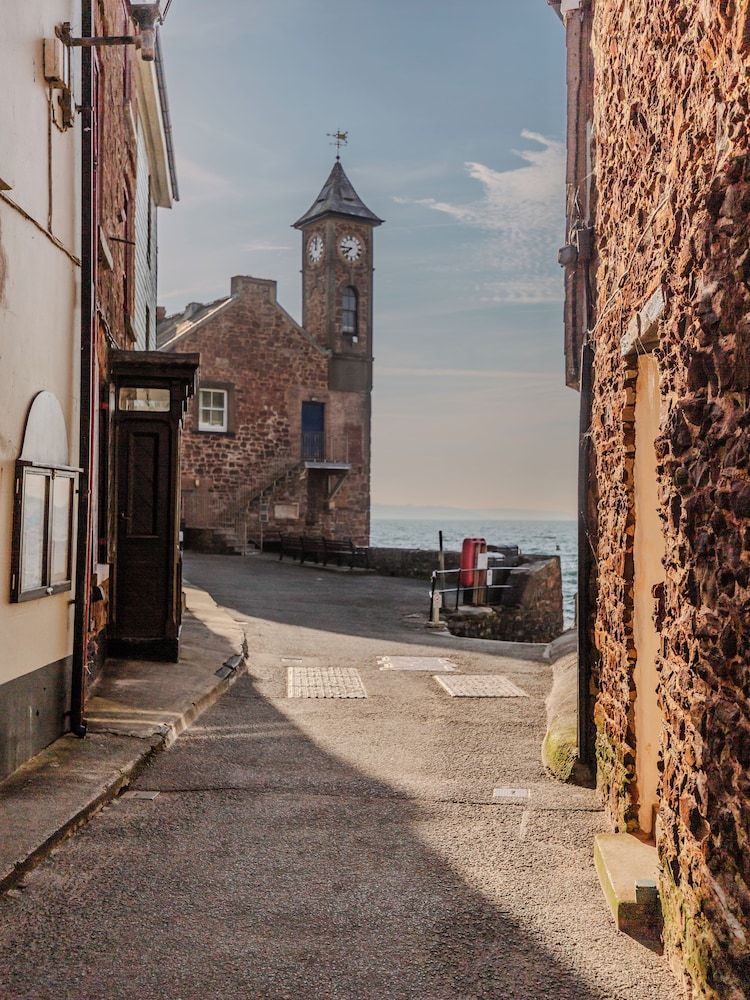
(408, 512)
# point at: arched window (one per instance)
(349, 310)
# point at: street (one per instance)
(334, 848)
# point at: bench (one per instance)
(272, 541)
(290, 545)
(344, 549)
(313, 549)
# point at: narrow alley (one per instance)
(339, 847)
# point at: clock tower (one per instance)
(337, 280)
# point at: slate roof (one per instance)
(338, 197)
(172, 328)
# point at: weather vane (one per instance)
(339, 139)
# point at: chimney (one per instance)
(161, 314)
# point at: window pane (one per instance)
(33, 530)
(62, 496)
(213, 410)
(142, 398)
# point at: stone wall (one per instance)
(672, 168)
(417, 563)
(531, 610)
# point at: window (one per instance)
(144, 398)
(213, 410)
(43, 525)
(349, 308)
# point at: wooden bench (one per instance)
(290, 545)
(344, 549)
(272, 541)
(313, 549)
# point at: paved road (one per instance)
(333, 849)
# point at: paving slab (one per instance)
(324, 682)
(430, 664)
(480, 686)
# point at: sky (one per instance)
(455, 112)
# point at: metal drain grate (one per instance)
(480, 686)
(431, 664)
(324, 682)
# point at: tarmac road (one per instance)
(337, 848)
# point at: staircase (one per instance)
(221, 520)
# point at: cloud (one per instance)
(520, 214)
(261, 246)
(200, 184)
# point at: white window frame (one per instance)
(213, 428)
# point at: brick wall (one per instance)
(269, 366)
(117, 173)
(672, 168)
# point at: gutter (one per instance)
(166, 118)
(88, 306)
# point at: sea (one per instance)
(548, 537)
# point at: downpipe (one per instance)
(83, 561)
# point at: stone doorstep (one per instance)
(622, 860)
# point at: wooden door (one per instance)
(313, 432)
(144, 561)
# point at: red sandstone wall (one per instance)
(672, 115)
(117, 165)
(273, 366)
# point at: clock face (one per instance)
(315, 249)
(351, 248)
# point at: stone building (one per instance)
(279, 436)
(85, 161)
(657, 338)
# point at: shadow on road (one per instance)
(267, 868)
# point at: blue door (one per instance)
(313, 432)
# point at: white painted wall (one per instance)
(39, 307)
(145, 265)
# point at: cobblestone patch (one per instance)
(324, 682)
(480, 686)
(431, 664)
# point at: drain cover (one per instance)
(324, 682)
(432, 664)
(480, 686)
(511, 794)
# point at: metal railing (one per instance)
(317, 446)
(460, 587)
(232, 510)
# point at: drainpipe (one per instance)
(83, 552)
(585, 561)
